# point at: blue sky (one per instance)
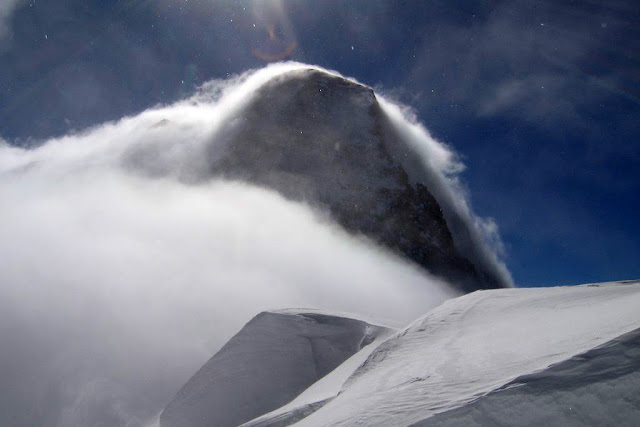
(541, 98)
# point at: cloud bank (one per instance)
(122, 269)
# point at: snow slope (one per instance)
(319, 394)
(475, 344)
(563, 355)
(600, 387)
(269, 362)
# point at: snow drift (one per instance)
(477, 343)
(598, 387)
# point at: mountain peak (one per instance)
(325, 140)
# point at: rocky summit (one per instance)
(325, 140)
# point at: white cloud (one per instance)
(7, 7)
(119, 276)
(122, 269)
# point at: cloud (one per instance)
(7, 7)
(122, 270)
(545, 64)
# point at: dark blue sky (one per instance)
(541, 98)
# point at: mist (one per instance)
(124, 266)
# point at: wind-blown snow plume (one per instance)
(437, 165)
(123, 266)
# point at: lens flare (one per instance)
(275, 37)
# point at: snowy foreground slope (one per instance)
(600, 387)
(563, 355)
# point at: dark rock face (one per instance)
(275, 357)
(324, 140)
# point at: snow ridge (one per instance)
(275, 357)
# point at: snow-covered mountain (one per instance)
(127, 258)
(164, 232)
(563, 355)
